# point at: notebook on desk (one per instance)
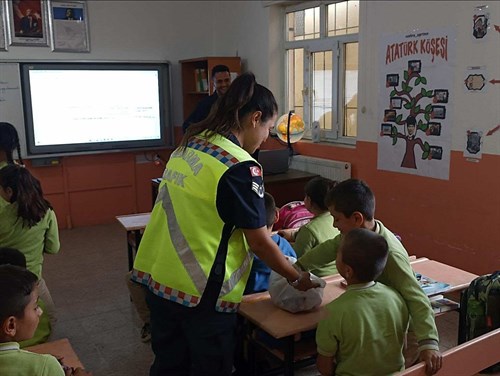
(274, 161)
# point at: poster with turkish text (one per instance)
(416, 95)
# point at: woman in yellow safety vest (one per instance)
(195, 254)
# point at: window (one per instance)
(321, 45)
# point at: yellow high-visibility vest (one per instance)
(181, 240)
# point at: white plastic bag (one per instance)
(289, 298)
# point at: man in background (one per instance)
(221, 78)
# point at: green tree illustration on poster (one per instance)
(415, 118)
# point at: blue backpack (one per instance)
(480, 310)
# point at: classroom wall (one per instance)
(92, 189)
(453, 220)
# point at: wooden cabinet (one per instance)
(190, 96)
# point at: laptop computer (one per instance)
(274, 161)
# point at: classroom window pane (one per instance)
(343, 18)
(351, 90)
(295, 80)
(303, 24)
(322, 89)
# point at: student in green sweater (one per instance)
(28, 223)
(19, 316)
(352, 205)
(318, 229)
(365, 330)
(9, 141)
(11, 256)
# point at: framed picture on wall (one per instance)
(69, 26)
(27, 22)
(3, 30)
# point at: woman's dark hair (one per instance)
(244, 96)
(317, 188)
(26, 192)
(9, 141)
(16, 286)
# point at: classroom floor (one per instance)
(87, 283)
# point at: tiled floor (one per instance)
(86, 280)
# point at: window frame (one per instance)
(335, 44)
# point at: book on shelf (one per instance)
(200, 79)
(430, 286)
(441, 304)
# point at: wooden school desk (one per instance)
(261, 313)
(60, 349)
(134, 224)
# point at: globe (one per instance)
(296, 128)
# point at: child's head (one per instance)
(18, 185)
(9, 141)
(271, 210)
(316, 190)
(12, 256)
(362, 255)
(351, 203)
(19, 310)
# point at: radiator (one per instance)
(335, 170)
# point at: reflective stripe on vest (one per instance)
(184, 252)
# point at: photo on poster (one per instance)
(436, 152)
(390, 115)
(440, 96)
(396, 103)
(434, 129)
(392, 80)
(438, 112)
(414, 66)
(386, 129)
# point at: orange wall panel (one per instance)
(99, 171)
(101, 206)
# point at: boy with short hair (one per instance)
(12, 256)
(352, 205)
(365, 330)
(19, 316)
(259, 274)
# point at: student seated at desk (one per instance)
(11, 256)
(319, 229)
(365, 330)
(19, 316)
(352, 205)
(259, 274)
(28, 223)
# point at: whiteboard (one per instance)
(11, 104)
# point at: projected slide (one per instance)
(94, 106)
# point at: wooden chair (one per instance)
(468, 358)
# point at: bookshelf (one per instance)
(191, 93)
